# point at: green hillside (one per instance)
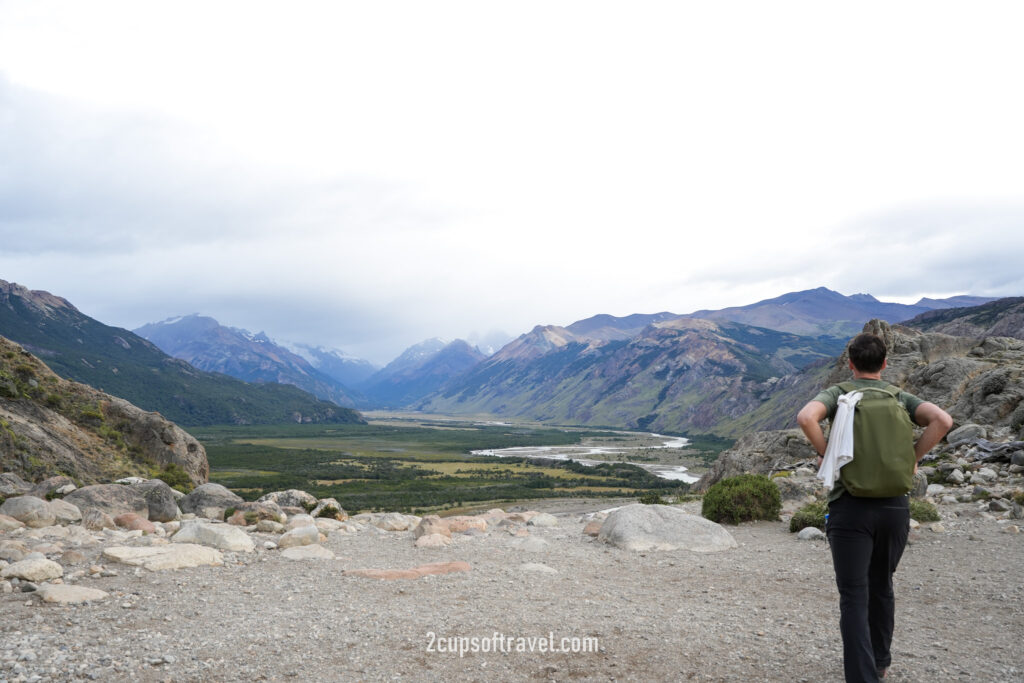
(123, 364)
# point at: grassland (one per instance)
(414, 466)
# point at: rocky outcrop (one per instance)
(978, 381)
(54, 425)
(759, 453)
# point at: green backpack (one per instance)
(883, 445)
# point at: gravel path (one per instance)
(765, 611)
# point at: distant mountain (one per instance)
(999, 318)
(341, 367)
(953, 302)
(606, 327)
(420, 371)
(822, 311)
(206, 344)
(124, 364)
(677, 375)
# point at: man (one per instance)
(868, 534)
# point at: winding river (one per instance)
(580, 454)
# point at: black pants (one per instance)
(867, 536)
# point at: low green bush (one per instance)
(745, 498)
(812, 514)
(1018, 497)
(651, 499)
(923, 511)
(176, 477)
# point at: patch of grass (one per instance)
(812, 514)
(923, 511)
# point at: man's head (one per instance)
(867, 352)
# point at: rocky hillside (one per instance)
(204, 343)
(125, 365)
(676, 375)
(979, 381)
(51, 426)
(1000, 318)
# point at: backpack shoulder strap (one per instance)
(889, 389)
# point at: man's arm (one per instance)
(809, 419)
(936, 423)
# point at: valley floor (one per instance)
(765, 611)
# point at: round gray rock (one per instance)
(209, 496)
(113, 499)
(661, 527)
(966, 433)
(163, 506)
(29, 510)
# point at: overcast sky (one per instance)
(367, 175)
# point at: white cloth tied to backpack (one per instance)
(839, 450)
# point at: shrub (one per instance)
(1018, 497)
(175, 476)
(228, 512)
(923, 511)
(812, 514)
(651, 499)
(251, 517)
(744, 498)
(330, 512)
(782, 474)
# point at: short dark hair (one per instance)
(867, 351)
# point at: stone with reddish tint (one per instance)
(461, 524)
(593, 528)
(8, 523)
(522, 516)
(134, 522)
(238, 519)
(414, 573)
(97, 520)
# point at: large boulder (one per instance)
(113, 499)
(163, 505)
(661, 527)
(31, 511)
(222, 536)
(290, 498)
(64, 512)
(160, 439)
(209, 496)
(13, 485)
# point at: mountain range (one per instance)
(206, 344)
(125, 365)
(715, 372)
